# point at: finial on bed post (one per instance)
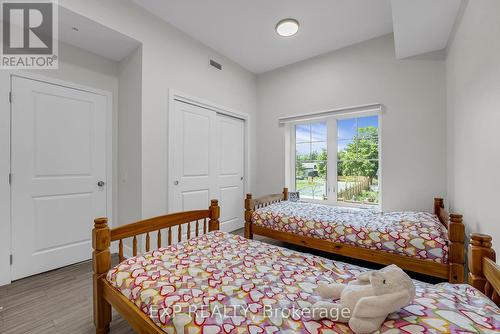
(213, 224)
(456, 249)
(101, 263)
(438, 204)
(285, 194)
(479, 248)
(248, 216)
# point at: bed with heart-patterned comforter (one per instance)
(185, 287)
(416, 234)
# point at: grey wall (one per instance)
(473, 93)
(413, 125)
(130, 138)
(170, 59)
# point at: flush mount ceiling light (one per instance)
(287, 27)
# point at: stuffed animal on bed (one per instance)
(365, 302)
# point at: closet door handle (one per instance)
(176, 183)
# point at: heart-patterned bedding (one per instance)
(416, 234)
(223, 283)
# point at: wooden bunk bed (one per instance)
(105, 296)
(484, 272)
(453, 271)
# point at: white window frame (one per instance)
(331, 121)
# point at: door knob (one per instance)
(176, 183)
(101, 183)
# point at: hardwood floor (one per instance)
(60, 301)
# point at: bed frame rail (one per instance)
(484, 273)
(453, 271)
(198, 218)
(102, 236)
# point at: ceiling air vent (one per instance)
(215, 64)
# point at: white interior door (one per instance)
(230, 168)
(58, 158)
(207, 162)
(194, 161)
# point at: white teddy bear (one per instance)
(365, 302)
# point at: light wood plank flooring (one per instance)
(60, 301)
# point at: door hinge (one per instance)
(10, 178)
(10, 97)
(11, 259)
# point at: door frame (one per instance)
(175, 95)
(5, 160)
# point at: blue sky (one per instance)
(307, 133)
(317, 133)
(311, 132)
(347, 129)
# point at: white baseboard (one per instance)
(232, 226)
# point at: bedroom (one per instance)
(357, 76)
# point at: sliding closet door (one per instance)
(230, 167)
(194, 159)
(208, 159)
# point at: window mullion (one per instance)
(332, 160)
(292, 158)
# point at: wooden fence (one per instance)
(354, 188)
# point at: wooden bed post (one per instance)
(285, 194)
(248, 217)
(101, 263)
(456, 249)
(456, 239)
(479, 248)
(213, 224)
(438, 204)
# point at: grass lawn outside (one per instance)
(312, 189)
(316, 189)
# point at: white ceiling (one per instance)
(243, 30)
(94, 37)
(422, 26)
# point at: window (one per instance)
(311, 160)
(337, 160)
(357, 160)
